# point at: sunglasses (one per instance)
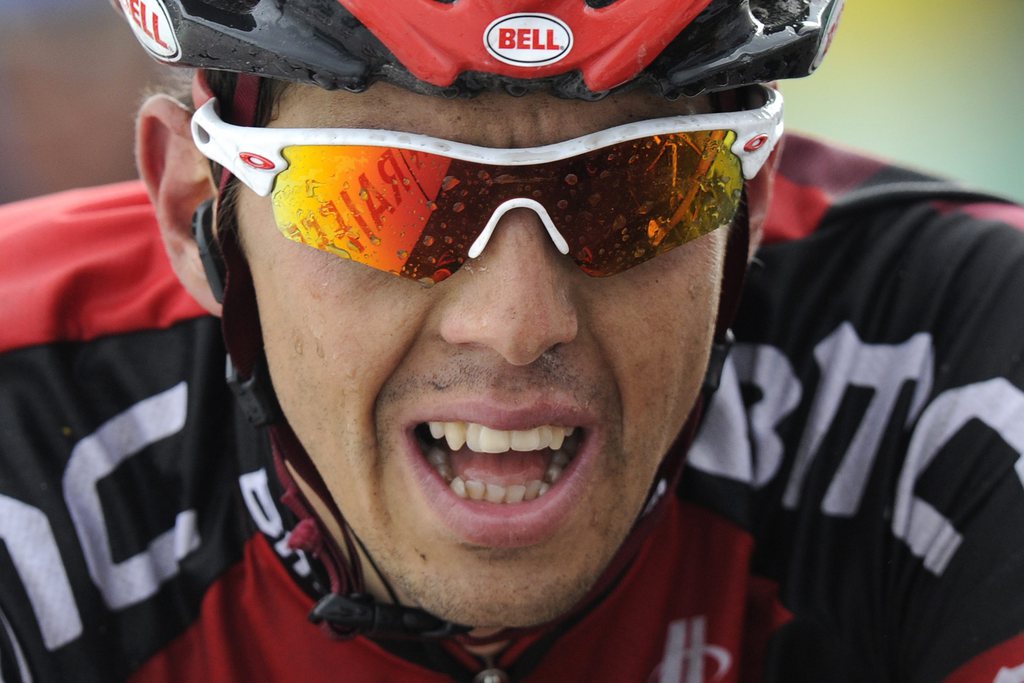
(419, 206)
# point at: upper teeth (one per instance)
(481, 439)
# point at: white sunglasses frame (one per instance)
(254, 156)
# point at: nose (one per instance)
(516, 298)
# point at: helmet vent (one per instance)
(599, 4)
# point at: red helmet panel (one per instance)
(437, 41)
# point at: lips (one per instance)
(511, 481)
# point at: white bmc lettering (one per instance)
(24, 675)
(722, 447)
(29, 539)
(742, 442)
(1014, 675)
(996, 403)
(97, 456)
(846, 361)
(256, 494)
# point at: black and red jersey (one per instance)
(852, 509)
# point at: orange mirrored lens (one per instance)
(416, 214)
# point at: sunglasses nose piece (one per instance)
(481, 241)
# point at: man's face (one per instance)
(519, 340)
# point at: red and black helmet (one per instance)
(573, 48)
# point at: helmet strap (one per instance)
(249, 378)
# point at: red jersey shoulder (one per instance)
(1000, 212)
(85, 264)
(812, 176)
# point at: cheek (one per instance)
(333, 332)
(656, 330)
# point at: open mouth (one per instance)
(494, 465)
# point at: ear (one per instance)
(177, 177)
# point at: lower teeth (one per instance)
(472, 489)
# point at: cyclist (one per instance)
(474, 266)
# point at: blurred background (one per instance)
(71, 78)
(935, 84)
(924, 82)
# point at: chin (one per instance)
(491, 609)
(501, 596)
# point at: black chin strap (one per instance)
(361, 614)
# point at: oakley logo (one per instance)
(755, 144)
(152, 27)
(257, 161)
(528, 39)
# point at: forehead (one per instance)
(489, 119)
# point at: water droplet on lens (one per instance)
(449, 182)
(483, 175)
(363, 194)
(428, 240)
(403, 254)
(656, 233)
(459, 207)
(594, 199)
(571, 179)
(563, 204)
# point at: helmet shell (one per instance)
(573, 48)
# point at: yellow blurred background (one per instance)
(925, 82)
(935, 84)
